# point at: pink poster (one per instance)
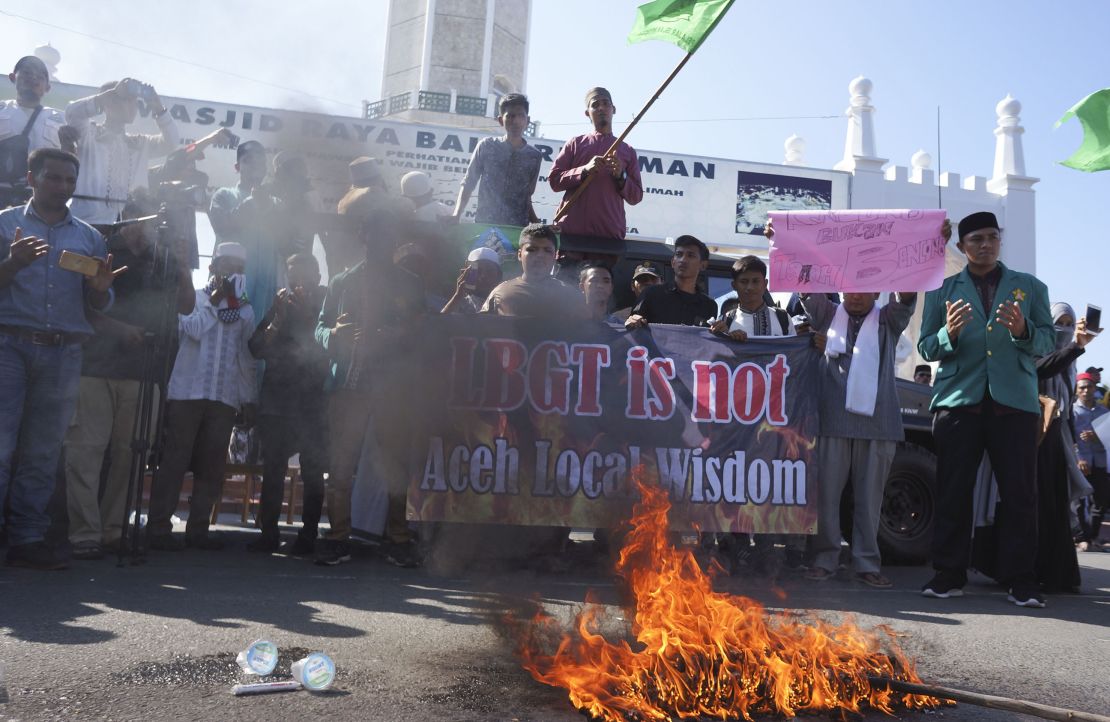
(857, 251)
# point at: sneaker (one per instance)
(299, 547)
(35, 555)
(402, 555)
(944, 585)
(265, 545)
(332, 553)
(165, 543)
(1025, 596)
(87, 551)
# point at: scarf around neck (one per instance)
(863, 374)
(228, 311)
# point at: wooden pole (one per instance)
(613, 148)
(1008, 704)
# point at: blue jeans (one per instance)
(38, 393)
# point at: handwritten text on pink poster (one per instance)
(857, 250)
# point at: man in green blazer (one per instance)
(985, 325)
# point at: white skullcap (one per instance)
(485, 253)
(415, 184)
(230, 250)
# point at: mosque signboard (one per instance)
(721, 201)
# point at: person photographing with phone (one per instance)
(292, 408)
(44, 318)
(213, 380)
(476, 280)
(114, 160)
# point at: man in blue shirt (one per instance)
(1092, 461)
(42, 324)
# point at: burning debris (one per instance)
(703, 654)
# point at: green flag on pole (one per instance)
(686, 23)
(1094, 114)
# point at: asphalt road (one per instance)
(158, 641)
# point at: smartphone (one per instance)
(85, 265)
(471, 279)
(1094, 319)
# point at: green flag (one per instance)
(1094, 114)
(686, 23)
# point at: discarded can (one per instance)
(316, 671)
(260, 658)
(265, 688)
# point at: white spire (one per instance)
(1009, 159)
(860, 141)
(49, 55)
(795, 150)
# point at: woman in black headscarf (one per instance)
(1057, 566)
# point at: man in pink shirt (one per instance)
(599, 211)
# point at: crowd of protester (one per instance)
(264, 344)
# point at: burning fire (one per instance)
(704, 654)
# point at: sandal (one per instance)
(874, 579)
(817, 574)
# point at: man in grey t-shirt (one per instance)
(507, 169)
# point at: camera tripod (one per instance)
(146, 432)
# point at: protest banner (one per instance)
(857, 251)
(530, 424)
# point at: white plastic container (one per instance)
(260, 658)
(316, 672)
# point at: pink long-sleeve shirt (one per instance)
(599, 211)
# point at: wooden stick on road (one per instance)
(1008, 704)
(616, 144)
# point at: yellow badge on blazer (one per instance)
(1018, 294)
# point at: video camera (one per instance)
(14, 194)
(177, 216)
(178, 193)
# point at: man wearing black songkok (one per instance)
(984, 325)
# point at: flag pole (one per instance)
(565, 206)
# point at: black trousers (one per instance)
(196, 431)
(283, 436)
(1100, 504)
(1010, 440)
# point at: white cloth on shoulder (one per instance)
(764, 322)
(863, 374)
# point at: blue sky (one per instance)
(765, 59)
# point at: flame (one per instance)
(705, 654)
(795, 444)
